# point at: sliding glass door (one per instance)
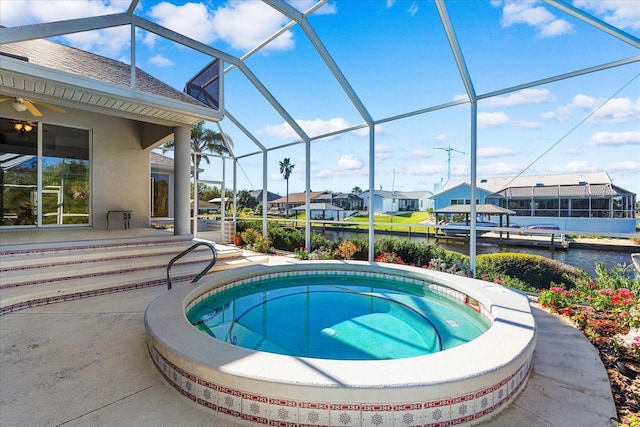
(45, 175)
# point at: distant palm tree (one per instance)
(356, 190)
(204, 140)
(286, 167)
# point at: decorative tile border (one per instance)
(273, 411)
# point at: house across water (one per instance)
(576, 201)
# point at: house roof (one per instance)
(585, 190)
(318, 207)
(347, 196)
(399, 194)
(69, 77)
(298, 197)
(257, 194)
(496, 184)
(160, 161)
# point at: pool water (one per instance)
(334, 317)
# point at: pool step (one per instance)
(41, 275)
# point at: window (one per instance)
(159, 195)
(64, 196)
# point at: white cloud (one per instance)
(492, 119)
(191, 19)
(245, 24)
(420, 153)
(615, 138)
(160, 61)
(383, 152)
(390, 3)
(304, 5)
(498, 168)
(527, 124)
(108, 42)
(426, 169)
(522, 97)
(615, 110)
(577, 166)
(413, 9)
(461, 97)
(349, 162)
(441, 137)
(317, 127)
(623, 167)
(495, 152)
(624, 14)
(538, 17)
(619, 110)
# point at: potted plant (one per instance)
(237, 239)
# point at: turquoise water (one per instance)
(334, 317)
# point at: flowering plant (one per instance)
(390, 257)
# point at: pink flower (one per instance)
(623, 314)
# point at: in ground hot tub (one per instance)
(463, 384)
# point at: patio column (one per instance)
(181, 181)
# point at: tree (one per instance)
(356, 190)
(286, 167)
(204, 140)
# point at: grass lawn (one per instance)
(401, 222)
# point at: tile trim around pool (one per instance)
(271, 410)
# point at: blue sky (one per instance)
(396, 57)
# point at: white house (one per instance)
(398, 201)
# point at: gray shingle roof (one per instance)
(75, 61)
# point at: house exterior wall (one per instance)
(442, 200)
(378, 202)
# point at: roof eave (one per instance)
(66, 89)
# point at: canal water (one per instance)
(585, 259)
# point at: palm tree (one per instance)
(204, 140)
(286, 167)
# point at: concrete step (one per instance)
(34, 276)
(44, 269)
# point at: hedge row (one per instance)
(533, 270)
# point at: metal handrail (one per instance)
(183, 253)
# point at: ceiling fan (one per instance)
(21, 104)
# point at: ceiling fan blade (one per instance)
(49, 106)
(32, 109)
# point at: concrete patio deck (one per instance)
(85, 362)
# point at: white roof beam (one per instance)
(562, 77)
(468, 84)
(59, 28)
(294, 14)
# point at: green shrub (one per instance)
(286, 238)
(250, 235)
(419, 253)
(533, 270)
(243, 224)
(319, 241)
